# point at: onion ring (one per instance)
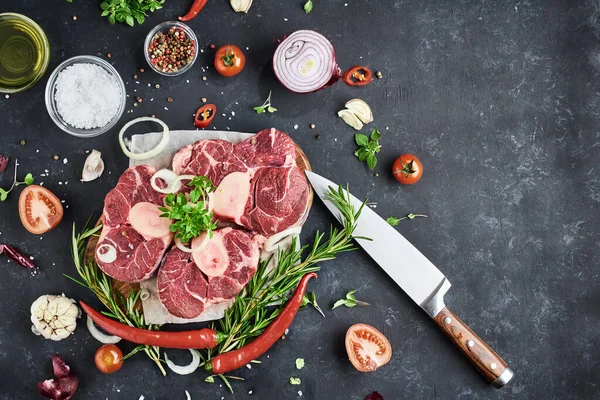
(151, 153)
(279, 239)
(187, 369)
(304, 62)
(99, 336)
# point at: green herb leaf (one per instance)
(299, 363)
(259, 109)
(29, 179)
(266, 106)
(3, 194)
(350, 301)
(210, 379)
(111, 19)
(361, 140)
(129, 20)
(371, 161)
(295, 381)
(393, 221)
(368, 147)
(375, 135)
(271, 109)
(308, 6)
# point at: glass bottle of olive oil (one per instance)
(23, 52)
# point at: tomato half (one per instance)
(108, 359)
(358, 76)
(229, 60)
(39, 209)
(367, 348)
(205, 115)
(407, 169)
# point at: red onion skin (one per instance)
(3, 163)
(337, 74)
(64, 386)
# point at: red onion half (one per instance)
(305, 62)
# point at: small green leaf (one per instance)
(140, 18)
(105, 13)
(350, 295)
(295, 381)
(259, 109)
(375, 135)
(210, 379)
(271, 109)
(361, 140)
(129, 20)
(104, 5)
(3, 194)
(371, 161)
(299, 363)
(29, 179)
(111, 19)
(393, 221)
(308, 6)
(338, 303)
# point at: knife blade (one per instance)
(422, 281)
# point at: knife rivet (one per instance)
(493, 365)
(470, 343)
(447, 320)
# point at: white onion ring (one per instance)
(109, 256)
(289, 62)
(151, 153)
(277, 239)
(170, 177)
(186, 369)
(186, 249)
(99, 336)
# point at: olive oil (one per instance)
(23, 52)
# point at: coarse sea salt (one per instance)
(87, 96)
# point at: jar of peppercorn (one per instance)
(171, 48)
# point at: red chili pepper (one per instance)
(17, 257)
(358, 76)
(197, 6)
(198, 339)
(205, 115)
(233, 360)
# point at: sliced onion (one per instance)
(304, 62)
(186, 249)
(99, 336)
(171, 179)
(151, 153)
(106, 253)
(210, 203)
(187, 395)
(275, 241)
(186, 369)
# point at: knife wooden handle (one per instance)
(480, 354)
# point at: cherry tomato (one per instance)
(229, 60)
(358, 76)
(367, 348)
(205, 115)
(407, 169)
(39, 209)
(108, 359)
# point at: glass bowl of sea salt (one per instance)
(85, 96)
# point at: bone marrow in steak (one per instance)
(278, 200)
(212, 158)
(137, 255)
(232, 253)
(268, 148)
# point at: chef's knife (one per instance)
(419, 278)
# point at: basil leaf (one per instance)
(28, 179)
(371, 161)
(361, 140)
(375, 135)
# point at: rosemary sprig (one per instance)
(119, 307)
(249, 315)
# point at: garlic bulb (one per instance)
(240, 5)
(54, 317)
(93, 167)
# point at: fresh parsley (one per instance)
(129, 11)
(368, 147)
(312, 300)
(308, 6)
(350, 301)
(191, 218)
(27, 181)
(393, 221)
(266, 106)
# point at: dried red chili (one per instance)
(197, 6)
(374, 396)
(233, 360)
(358, 76)
(18, 257)
(3, 163)
(205, 115)
(198, 339)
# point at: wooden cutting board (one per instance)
(125, 288)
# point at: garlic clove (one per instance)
(63, 305)
(361, 109)
(71, 327)
(72, 311)
(61, 333)
(240, 5)
(351, 119)
(45, 329)
(93, 167)
(35, 331)
(51, 309)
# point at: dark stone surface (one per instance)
(500, 100)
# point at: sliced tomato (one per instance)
(39, 209)
(367, 348)
(108, 359)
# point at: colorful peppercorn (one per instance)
(171, 50)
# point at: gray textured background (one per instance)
(500, 100)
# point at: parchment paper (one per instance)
(154, 311)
